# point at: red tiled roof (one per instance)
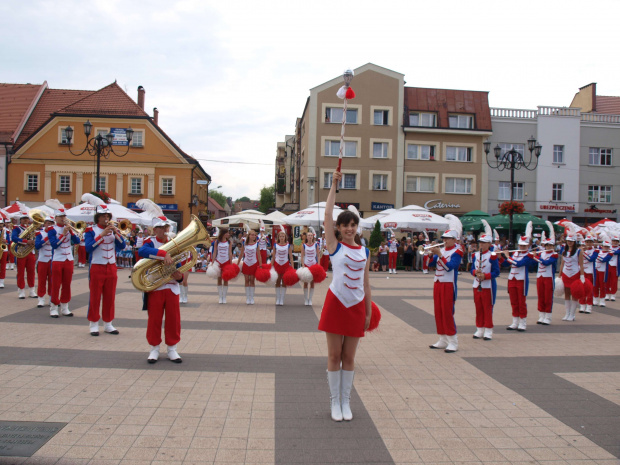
(109, 101)
(608, 105)
(15, 99)
(444, 101)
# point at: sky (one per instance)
(230, 78)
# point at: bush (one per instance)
(376, 237)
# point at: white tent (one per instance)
(414, 217)
(369, 223)
(313, 215)
(149, 221)
(86, 212)
(250, 217)
(275, 215)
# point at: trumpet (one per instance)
(123, 227)
(77, 227)
(424, 249)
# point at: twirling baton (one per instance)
(345, 93)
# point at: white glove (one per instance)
(583, 279)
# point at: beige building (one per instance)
(403, 145)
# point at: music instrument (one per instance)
(149, 274)
(427, 248)
(124, 227)
(77, 227)
(421, 249)
(3, 246)
(22, 250)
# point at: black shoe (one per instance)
(539, 322)
(177, 360)
(449, 351)
(521, 330)
(476, 337)
(94, 333)
(510, 329)
(433, 347)
(112, 332)
(151, 360)
(53, 316)
(488, 339)
(69, 314)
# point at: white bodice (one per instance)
(600, 265)
(442, 274)
(222, 254)
(588, 266)
(349, 265)
(484, 264)
(281, 254)
(249, 254)
(518, 272)
(65, 250)
(310, 254)
(571, 264)
(46, 251)
(545, 271)
(105, 252)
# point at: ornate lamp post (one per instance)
(513, 160)
(98, 146)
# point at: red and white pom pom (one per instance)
(346, 92)
(304, 274)
(236, 261)
(577, 290)
(559, 288)
(318, 273)
(375, 318)
(263, 274)
(230, 271)
(290, 278)
(214, 271)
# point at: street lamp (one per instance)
(513, 160)
(98, 146)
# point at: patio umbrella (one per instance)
(313, 215)
(472, 221)
(250, 217)
(414, 217)
(519, 221)
(369, 223)
(603, 222)
(86, 212)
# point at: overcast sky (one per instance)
(229, 78)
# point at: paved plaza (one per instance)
(252, 386)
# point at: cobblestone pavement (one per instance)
(252, 386)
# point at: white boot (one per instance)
(310, 294)
(54, 311)
(183, 298)
(153, 354)
(1, 283)
(252, 289)
(572, 310)
(219, 291)
(305, 296)
(109, 328)
(442, 343)
(514, 325)
(488, 334)
(601, 302)
(541, 318)
(224, 292)
(41, 302)
(607, 297)
(282, 295)
(453, 344)
(21, 293)
(277, 296)
(522, 324)
(247, 296)
(547, 319)
(595, 301)
(94, 328)
(567, 308)
(390, 271)
(333, 379)
(479, 332)
(395, 271)
(173, 356)
(64, 309)
(345, 394)
(588, 309)
(33, 294)
(612, 297)
(582, 308)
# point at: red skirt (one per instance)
(568, 280)
(280, 269)
(249, 270)
(223, 264)
(338, 319)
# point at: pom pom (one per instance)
(235, 261)
(375, 318)
(588, 288)
(290, 278)
(273, 276)
(350, 94)
(318, 273)
(559, 288)
(262, 275)
(230, 271)
(342, 92)
(214, 271)
(577, 290)
(304, 274)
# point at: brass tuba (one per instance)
(22, 250)
(150, 274)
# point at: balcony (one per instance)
(517, 113)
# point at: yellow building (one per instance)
(43, 167)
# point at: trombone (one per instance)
(123, 227)
(78, 227)
(424, 249)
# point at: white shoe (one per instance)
(54, 311)
(541, 318)
(153, 354)
(21, 293)
(607, 297)
(602, 303)
(453, 344)
(333, 379)
(612, 297)
(547, 320)
(346, 384)
(94, 328)
(588, 309)
(425, 271)
(582, 308)
(514, 325)
(395, 272)
(109, 328)
(64, 309)
(173, 356)
(595, 301)
(522, 324)
(41, 302)
(478, 334)
(1, 283)
(488, 334)
(33, 294)
(442, 343)
(390, 271)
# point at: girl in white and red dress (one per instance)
(252, 259)
(571, 269)
(309, 257)
(222, 254)
(282, 260)
(393, 253)
(348, 306)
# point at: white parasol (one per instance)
(250, 217)
(414, 217)
(86, 212)
(369, 223)
(313, 215)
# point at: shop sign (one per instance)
(390, 225)
(120, 136)
(557, 208)
(437, 204)
(163, 206)
(597, 210)
(381, 206)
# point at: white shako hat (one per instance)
(485, 238)
(524, 240)
(589, 237)
(488, 233)
(160, 221)
(23, 214)
(50, 218)
(606, 243)
(59, 208)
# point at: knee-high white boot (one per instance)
(185, 294)
(333, 379)
(224, 292)
(567, 308)
(282, 295)
(247, 296)
(277, 296)
(345, 396)
(310, 294)
(219, 291)
(252, 289)
(572, 310)
(305, 296)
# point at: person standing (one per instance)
(612, 273)
(571, 269)
(393, 253)
(5, 240)
(519, 280)
(309, 257)
(252, 259)
(408, 254)
(324, 253)
(590, 255)
(602, 272)
(484, 269)
(282, 261)
(44, 262)
(222, 254)
(263, 243)
(81, 253)
(545, 281)
(25, 265)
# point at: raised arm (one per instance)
(330, 235)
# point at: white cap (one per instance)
(524, 240)
(485, 238)
(102, 209)
(451, 233)
(49, 218)
(23, 215)
(615, 237)
(571, 238)
(606, 244)
(160, 221)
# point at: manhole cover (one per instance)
(24, 438)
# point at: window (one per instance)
(458, 186)
(380, 150)
(420, 152)
(599, 194)
(558, 154)
(138, 139)
(379, 182)
(600, 157)
(504, 191)
(461, 121)
(102, 183)
(64, 183)
(427, 120)
(381, 117)
(334, 115)
(135, 186)
(32, 182)
(63, 137)
(167, 186)
(556, 192)
(520, 148)
(348, 181)
(420, 184)
(332, 148)
(458, 153)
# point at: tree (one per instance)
(243, 199)
(218, 196)
(376, 237)
(267, 198)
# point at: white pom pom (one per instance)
(304, 274)
(236, 261)
(559, 288)
(342, 92)
(214, 271)
(273, 278)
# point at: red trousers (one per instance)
(612, 280)
(82, 255)
(25, 266)
(517, 298)
(62, 274)
(392, 261)
(263, 256)
(425, 261)
(483, 300)
(443, 296)
(325, 262)
(588, 299)
(102, 282)
(160, 303)
(600, 288)
(544, 287)
(44, 276)
(3, 261)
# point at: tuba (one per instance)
(3, 247)
(22, 250)
(150, 274)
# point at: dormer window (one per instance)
(461, 121)
(427, 120)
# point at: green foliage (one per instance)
(243, 199)
(218, 196)
(376, 237)
(267, 198)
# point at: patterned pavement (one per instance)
(252, 387)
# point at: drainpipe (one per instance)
(191, 197)
(6, 173)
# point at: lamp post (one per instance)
(513, 160)
(98, 146)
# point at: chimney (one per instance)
(156, 116)
(141, 97)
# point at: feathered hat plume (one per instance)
(528, 230)
(150, 207)
(351, 208)
(311, 229)
(495, 235)
(92, 200)
(454, 224)
(54, 203)
(487, 228)
(551, 231)
(426, 238)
